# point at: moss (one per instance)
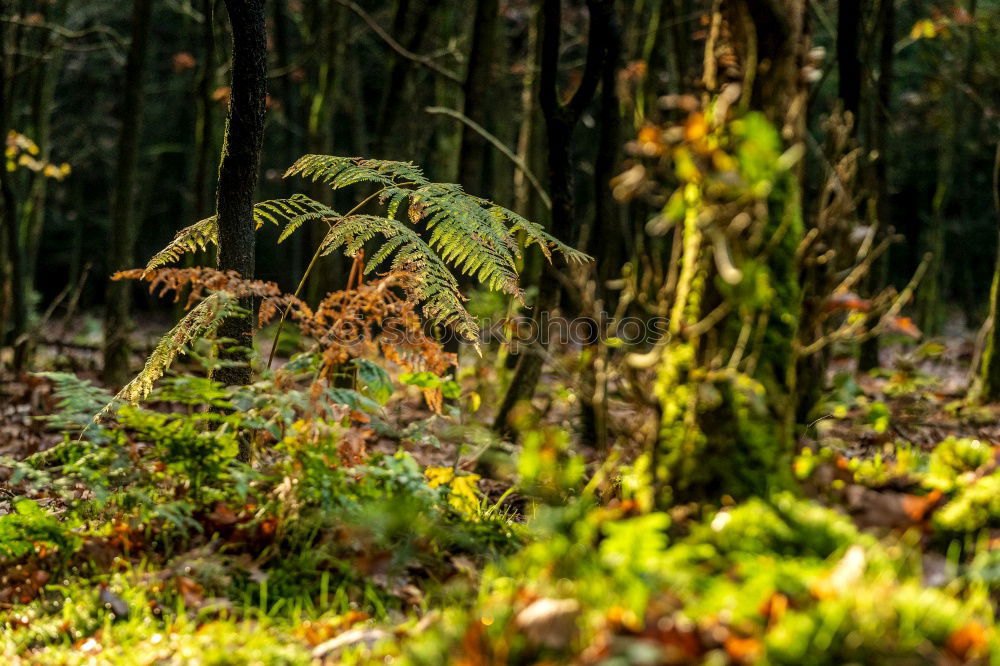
(730, 430)
(974, 508)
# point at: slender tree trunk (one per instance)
(881, 119)
(204, 127)
(238, 172)
(606, 233)
(13, 257)
(848, 59)
(560, 121)
(41, 121)
(477, 94)
(117, 323)
(987, 386)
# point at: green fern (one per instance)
(76, 400)
(292, 213)
(339, 172)
(472, 235)
(200, 322)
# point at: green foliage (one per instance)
(779, 582)
(77, 401)
(954, 457)
(472, 235)
(30, 528)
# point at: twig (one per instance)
(66, 33)
(498, 144)
(397, 47)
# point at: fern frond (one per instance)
(76, 400)
(202, 280)
(196, 237)
(292, 213)
(339, 172)
(200, 322)
(534, 234)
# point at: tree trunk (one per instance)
(987, 387)
(606, 234)
(476, 92)
(848, 60)
(238, 174)
(868, 357)
(204, 127)
(728, 427)
(117, 323)
(15, 279)
(560, 121)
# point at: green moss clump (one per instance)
(954, 457)
(974, 508)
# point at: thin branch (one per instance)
(397, 47)
(66, 33)
(498, 144)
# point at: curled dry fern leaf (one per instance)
(200, 322)
(436, 287)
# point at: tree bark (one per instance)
(477, 95)
(117, 322)
(987, 387)
(238, 173)
(868, 357)
(204, 127)
(848, 60)
(560, 121)
(606, 234)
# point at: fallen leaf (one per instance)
(970, 640)
(350, 638)
(549, 622)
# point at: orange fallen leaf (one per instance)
(847, 300)
(969, 640)
(743, 649)
(905, 326)
(916, 506)
(774, 608)
(695, 127)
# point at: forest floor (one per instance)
(410, 535)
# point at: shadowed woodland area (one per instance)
(500, 332)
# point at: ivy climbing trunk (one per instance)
(238, 172)
(560, 121)
(117, 322)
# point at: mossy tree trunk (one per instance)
(726, 382)
(238, 173)
(117, 322)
